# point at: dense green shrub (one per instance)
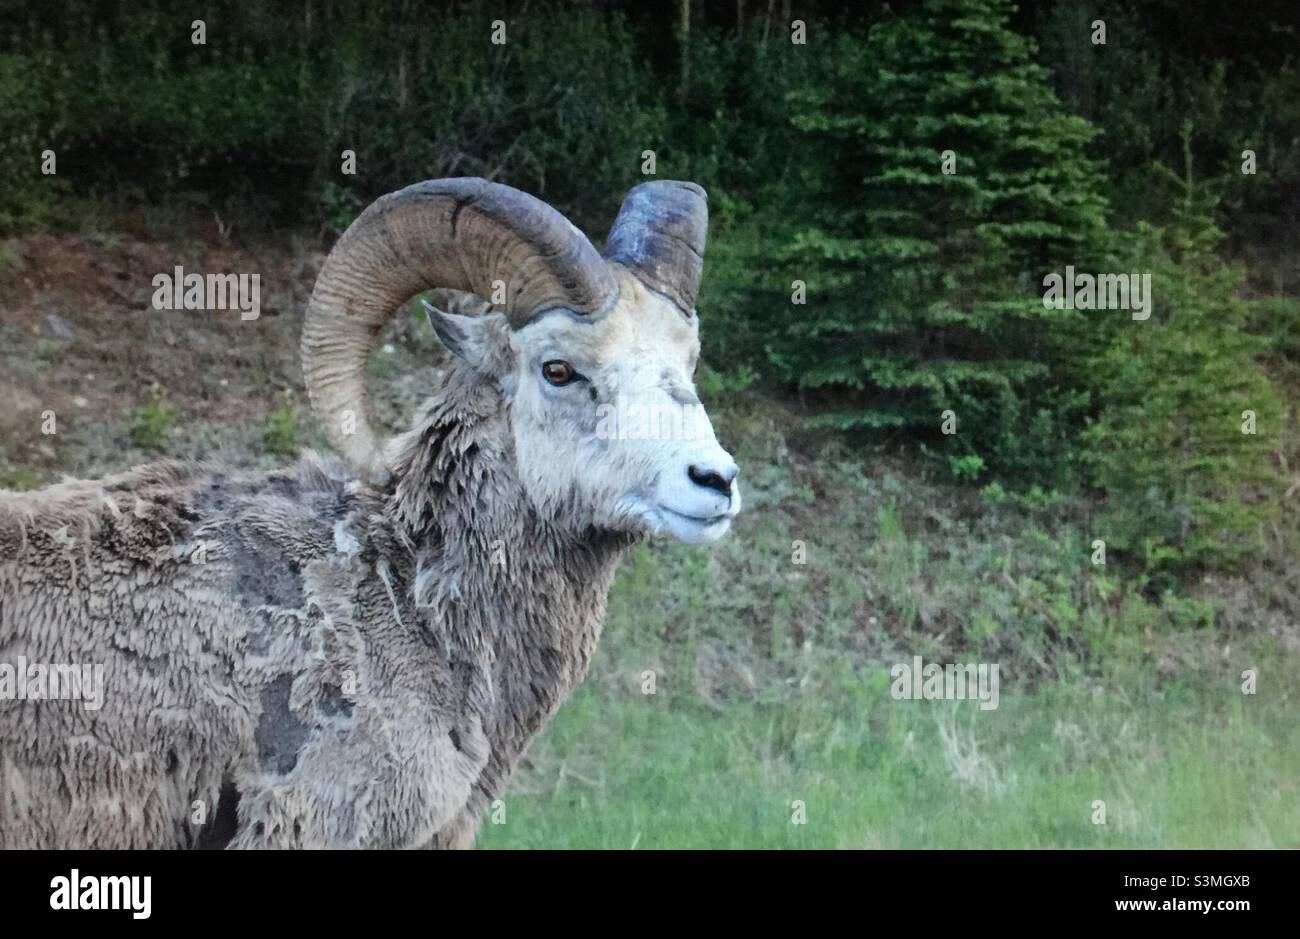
(1186, 485)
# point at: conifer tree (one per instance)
(955, 181)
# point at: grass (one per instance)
(1185, 767)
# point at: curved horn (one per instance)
(659, 234)
(464, 234)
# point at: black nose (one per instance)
(711, 479)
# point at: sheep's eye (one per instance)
(558, 372)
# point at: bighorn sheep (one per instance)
(356, 654)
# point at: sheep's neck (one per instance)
(518, 602)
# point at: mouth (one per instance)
(702, 521)
(652, 516)
(691, 529)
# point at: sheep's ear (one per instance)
(482, 342)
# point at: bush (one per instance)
(152, 423)
(1186, 487)
(280, 434)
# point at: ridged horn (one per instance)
(659, 235)
(464, 234)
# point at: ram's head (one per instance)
(596, 355)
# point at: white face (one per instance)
(608, 428)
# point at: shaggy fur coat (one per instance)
(292, 659)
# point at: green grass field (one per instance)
(1179, 768)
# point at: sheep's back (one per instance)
(187, 585)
